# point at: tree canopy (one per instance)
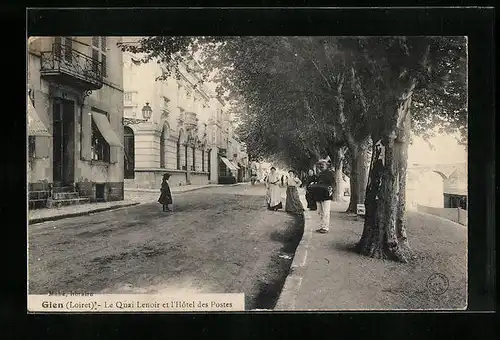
(302, 95)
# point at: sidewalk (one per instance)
(327, 274)
(131, 197)
(44, 215)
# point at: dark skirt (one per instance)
(165, 198)
(293, 203)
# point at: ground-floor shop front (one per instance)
(75, 154)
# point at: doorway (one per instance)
(63, 141)
(129, 152)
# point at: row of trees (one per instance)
(356, 99)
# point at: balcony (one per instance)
(67, 66)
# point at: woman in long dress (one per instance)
(166, 196)
(273, 185)
(293, 204)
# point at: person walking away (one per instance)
(322, 192)
(274, 200)
(311, 179)
(283, 180)
(165, 196)
(293, 204)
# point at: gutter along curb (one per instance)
(289, 293)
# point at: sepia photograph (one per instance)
(250, 173)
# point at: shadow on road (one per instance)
(279, 268)
(346, 247)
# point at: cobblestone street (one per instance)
(218, 240)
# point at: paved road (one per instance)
(218, 240)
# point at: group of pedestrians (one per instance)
(274, 183)
(319, 185)
(319, 192)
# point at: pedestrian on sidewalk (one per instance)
(165, 196)
(311, 179)
(293, 204)
(274, 198)
(322, 192)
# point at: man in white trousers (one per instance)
(325, 178)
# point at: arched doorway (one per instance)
(163, 137)
(129, 153)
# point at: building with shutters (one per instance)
(74, 116)
(187, 134)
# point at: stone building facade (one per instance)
(187, 134)
(74, 111)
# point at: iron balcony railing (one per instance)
(63, 59)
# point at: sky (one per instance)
(445, 150)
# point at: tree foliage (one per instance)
(305, 94)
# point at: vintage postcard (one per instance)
(225, 174)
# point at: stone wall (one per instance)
(453, 214)
(113, 191)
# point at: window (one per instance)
(165, 110)
(127, 96)
(63, 48)
(203, 160)
(68, 47)
(31, 147)
(129, 152)
(100, 148)
(99, 54)
(179, 153)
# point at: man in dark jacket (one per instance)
(326, 179)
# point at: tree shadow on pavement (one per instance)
(348, 247)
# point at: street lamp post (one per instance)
(146, 114)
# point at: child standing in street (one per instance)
(166, 196)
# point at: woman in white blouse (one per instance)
(293, 204)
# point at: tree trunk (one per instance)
(353, 184)
(359, 174)
(402, 144)
(384, 232)
(338, 158)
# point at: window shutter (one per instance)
(86, 135)
(114, 154)
(42, 147)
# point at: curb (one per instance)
(288, 295)
(207, 187)
(81, 213)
